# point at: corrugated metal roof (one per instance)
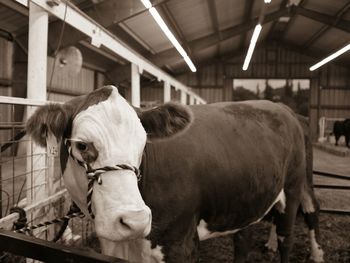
(10, 20)
(195, 23)
(297, 36)
(330, 7)
(192, 17)
(149, 32)
(230, 13)
(333, 39)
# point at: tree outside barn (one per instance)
(292, 92)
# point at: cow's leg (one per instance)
(336, 139)
(181, 246)
(310, 210)
(285, 224)
(271, 243)
(241, 241)
(347, 140)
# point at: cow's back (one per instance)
(229, 166)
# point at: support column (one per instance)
(37, 179)
(167, 92)
(191, 100)
(36, 89)
(183, 97)
(135, 86)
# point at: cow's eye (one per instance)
(81, 146)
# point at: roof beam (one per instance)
(248, 10)
(329, 20)
(325, 28)
(170, 56)
(290, 22)
(214, 21)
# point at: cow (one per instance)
(341, 128)
(156, 182)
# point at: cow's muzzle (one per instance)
(125, 224)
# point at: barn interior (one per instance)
(148, 70)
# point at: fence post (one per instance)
(167, 92)
(37, 70)
(135, 86)
(183, 98)
(322, 123)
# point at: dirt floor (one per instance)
(335, 241)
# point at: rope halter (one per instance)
(95, 175)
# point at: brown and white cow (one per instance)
(207, 170)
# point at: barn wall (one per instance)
(329, 86)
(6, 68)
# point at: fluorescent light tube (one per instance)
(253, 41)
(169, 34)
(146, 3)
(331, 57)
(190, 64)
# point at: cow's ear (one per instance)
(48, 118)
(166, 120)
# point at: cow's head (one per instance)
(101, 129)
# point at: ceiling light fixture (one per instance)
(267, 1)
(253, 41)
(330, 57)
(169, 34)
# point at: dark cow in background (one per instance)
(341, 128)
(207, 171)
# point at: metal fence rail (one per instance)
(334, 187)
(42, 250)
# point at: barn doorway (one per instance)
(293, 92)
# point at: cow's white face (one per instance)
(113, 133)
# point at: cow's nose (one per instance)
(136, 222)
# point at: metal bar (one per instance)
(39, 249)
(21, 101)
(338, 187)
(334, 211)
(337, 176)
(7, 221)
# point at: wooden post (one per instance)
(135, 86)
(167, 92)
(183, 98)
(37, 66)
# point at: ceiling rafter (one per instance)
(170, 55)
(248, 10)
(291, 21)
(325, 28)
(275, 23)
(214, 21)
(332, 21)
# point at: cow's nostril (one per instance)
(122, 222)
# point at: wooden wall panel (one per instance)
(62, 82)
(6, 59)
